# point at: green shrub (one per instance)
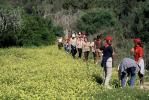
(35, 32)
(20, 29)
(96, 20)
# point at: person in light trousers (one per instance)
(106, 63)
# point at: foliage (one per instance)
(10, 25)
(93, 21)
(36, 31)
(21, 29)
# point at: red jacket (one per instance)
(138, 52)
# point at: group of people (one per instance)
(103, 52)
(80, 45)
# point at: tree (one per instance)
(94, 21)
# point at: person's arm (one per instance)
(132, 51)
(141, 53)
(111, 50)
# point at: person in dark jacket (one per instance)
(107, 60)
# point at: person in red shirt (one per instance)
(138, 53)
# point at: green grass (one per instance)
(49, 73)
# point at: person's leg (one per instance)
(73, 51)
(141, 76)
(94, 56)
(104, 74)
(108, 76)
(133, 75)
(80, 52)
(97, 57)
(87, 54)
(142, 72)
(123, 79)
(58, 45)
(67, 48)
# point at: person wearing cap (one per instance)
(128, 67)
(138, 53)
(73, 43)
(107, 60)
(79, 44)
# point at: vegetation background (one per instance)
(33, 23)
(39, 22)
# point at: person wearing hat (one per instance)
(73, 43)
(128, 67)
(107, 60)
(138, 53)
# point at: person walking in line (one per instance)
(60, 42)
(73, 43)
(128, 67)
(86, 48)
(67, 45)
(98, 44)
(138, 53)
(92, 45)
(79, 44)
(107, 61)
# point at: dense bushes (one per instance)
(36, 31)
(19, 28)
(10, 25)
(94, 21)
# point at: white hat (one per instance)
(73, 35)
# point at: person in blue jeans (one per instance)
(128, 67)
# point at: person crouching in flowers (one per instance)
(107, 60)
(128, 67)
(138, 53)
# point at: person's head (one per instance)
(79, 35)
(108, 40)
(98, 37)
(85, 39)
(73, 36)
(137, 42)
(94, 39)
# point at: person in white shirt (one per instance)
(92, 45)
(86, 48)
(73, 42)
(79, 44)
(60, 42)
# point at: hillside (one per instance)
(47, 73)
(39, 22)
